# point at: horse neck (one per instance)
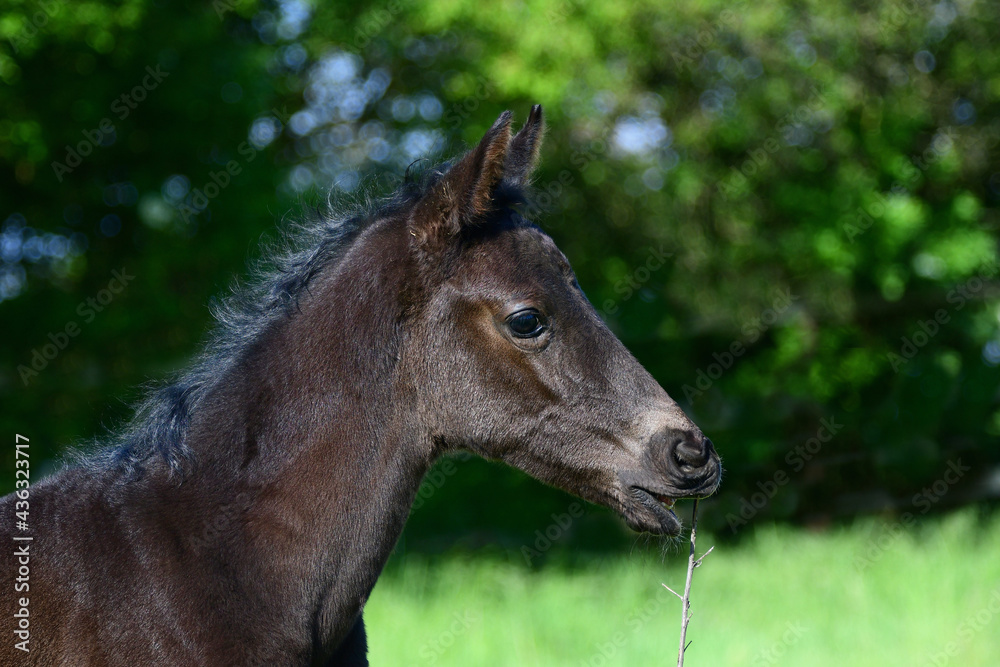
(314, 428)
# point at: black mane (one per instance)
(156, 432)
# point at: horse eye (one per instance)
(526, 324)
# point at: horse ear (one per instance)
(524, 148)
(466, 191)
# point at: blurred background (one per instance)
(787, 211)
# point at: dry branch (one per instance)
(686, 598)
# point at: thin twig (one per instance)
(679, 597)
(698, 562)
(686, 598)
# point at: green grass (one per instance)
(800, 593)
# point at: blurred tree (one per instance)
(788, 212)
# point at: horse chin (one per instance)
(644, 513)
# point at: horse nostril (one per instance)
(692, 450)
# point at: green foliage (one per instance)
(821, 175)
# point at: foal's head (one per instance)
(512, 362)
